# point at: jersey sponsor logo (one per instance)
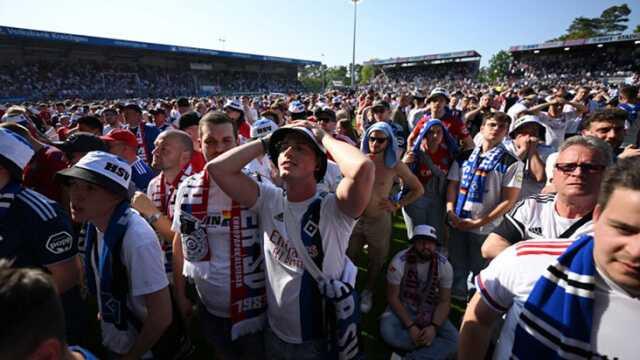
(194, 239)
(59, 243)
(283, 252)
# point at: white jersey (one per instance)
(331, 178)
(142, 257)
(507, 174)
(212, 279)
(287, 285)
(536, 218)
(507, 282)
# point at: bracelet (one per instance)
(265, 145)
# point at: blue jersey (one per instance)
(632, 111)
(33, 229)
(141, 175)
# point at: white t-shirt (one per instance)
(331, 178)
(529, 184)
(284, 267)
(396, 271)
(507, 282)
(261, 166)
(536, 218)
(212, 284)
(142, 256)
(556, 127)
(500, 177)
(549, 165)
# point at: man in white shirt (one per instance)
(580, 305)
(555, 119)
(299, 218)
(123, 263)
(213, 235)
(566, 214)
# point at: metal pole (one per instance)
(353, 58)
(324, 86)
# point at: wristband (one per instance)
(265, 145)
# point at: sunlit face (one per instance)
(580, 181)
(89, 201)
(437, 104)
(296, 158)
(617, 239)
(215, 139)
(611, 132)
(167, 153)
(493, 130)
(378, 141)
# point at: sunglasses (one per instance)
(380, 140)
(568, 168)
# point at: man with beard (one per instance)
(419, 295)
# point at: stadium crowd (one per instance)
(239, 220)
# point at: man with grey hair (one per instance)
(566, 214)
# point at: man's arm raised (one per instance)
(226, 171)
(354, 191)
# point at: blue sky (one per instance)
(307, 28)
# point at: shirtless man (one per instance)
(374, 226)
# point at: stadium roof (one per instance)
(443, 56)
(576, 42)
(19, 33)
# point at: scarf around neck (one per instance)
(474, 175)
(424, 295)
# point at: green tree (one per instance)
(498, 65)
(637, 29)
(367, 72)
(613, 20)
(312, 77)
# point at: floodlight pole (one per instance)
(353, 56)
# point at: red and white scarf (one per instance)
(246, 261)
(163, 194)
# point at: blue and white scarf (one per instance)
(113, 284)
(557, 317)
(474, 176)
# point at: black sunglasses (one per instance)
(568, 168)
(380, 140)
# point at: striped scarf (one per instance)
(247, 279)
(557, 317)
(424, 295)
(474, 175)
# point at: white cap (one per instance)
(15, 148)
(262, 127)
(17, 118)
(439, 91)
(425, 230)
(296, 107)
(102, 168)
(234, 104)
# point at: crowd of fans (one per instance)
(100, 80)
(246, 215)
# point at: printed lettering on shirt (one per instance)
(59, 243)
(283, 252)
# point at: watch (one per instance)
(153, 218)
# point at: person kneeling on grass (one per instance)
(419, 295)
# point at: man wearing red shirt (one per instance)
(452, 119)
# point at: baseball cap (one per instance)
(133, 106)
(81, 142)
(281, 133)
(523, 120)
(15, 148)
(188, 120)
(123, 135)
(234, 104)
(438, 92)
(296, 107)
(262, 127)
(381, 104)
(103, 169)
(426, 232)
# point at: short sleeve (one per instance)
(512, 226)
(267, 194)
(53, 241)
(341, 220)
(144, 259)
(513, 177)
(496, 282)
(446, 275)
(396, 269)
(454, 172)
